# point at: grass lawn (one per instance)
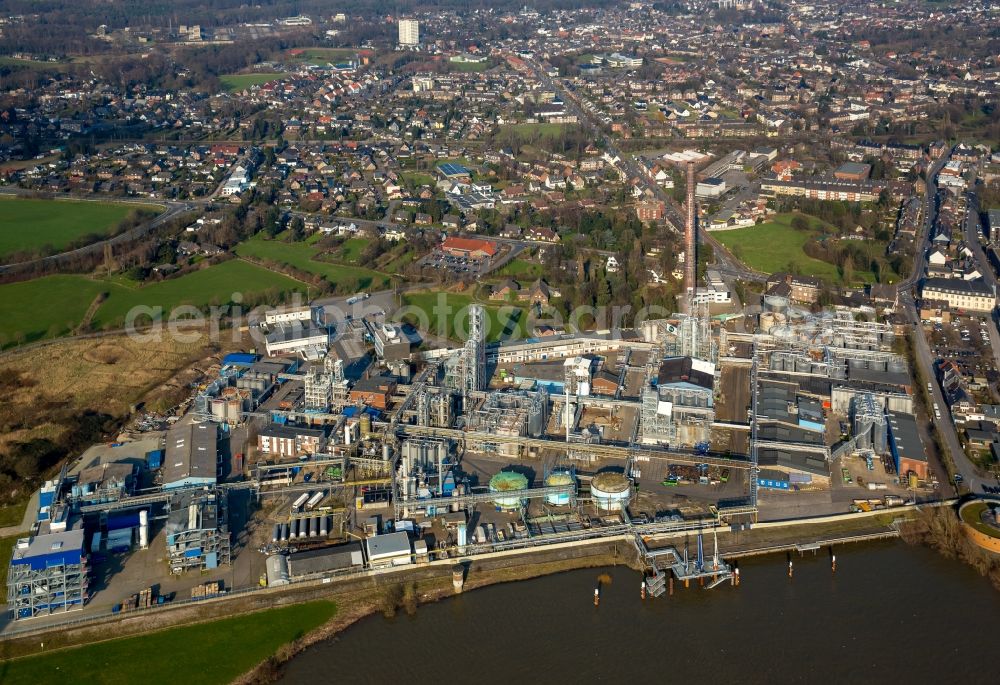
(6, 550)
(531, 131)
(243, 81)
(444, 322)
(27, 224)
(322, 54)
(214, 285)
(12, 514)
(971, 514)
(469, 67)
(418, 178)
(350, 250)
(303, 256)
(775, 246)
(45, 307)
(210, 653)
(522, 269)
(52, 306)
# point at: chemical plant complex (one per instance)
(346, 450)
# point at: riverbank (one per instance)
(941, 530)
(408, 594)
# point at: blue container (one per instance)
(154, 459)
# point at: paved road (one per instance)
(173, 209)
(922, 352)
(726, 264)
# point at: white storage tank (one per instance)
(611, 491)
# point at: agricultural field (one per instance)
(303, 256)
(27, 225)
(775, 246)
(52, 306)
(454, 324)
(235, 82)
(214, 653)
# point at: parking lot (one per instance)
(459, 266)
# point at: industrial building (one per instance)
(389, 549)
(905, 447)
(191, 455)
(197, 533)
(47, 574)
(306, 340)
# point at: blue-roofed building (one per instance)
(47, 575)
(453, 171)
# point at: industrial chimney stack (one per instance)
(690, 259)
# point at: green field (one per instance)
(303, 256)
(52, 306)
(12, 514)
(350, 250)
(324, 54)
(522, 269)
(775, 246)
(532, 131)
(444, 323)
(29, 225)
(243, 81)
(45, 307)
(469, 67)
(203, 654)
(214, 285)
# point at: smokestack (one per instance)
(690, 260)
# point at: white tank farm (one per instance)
(611, 491)
(508, 481)
(556, 478)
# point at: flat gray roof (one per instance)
(905, 436)
(191, 452)
(388, 545)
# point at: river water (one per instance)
(890, 611)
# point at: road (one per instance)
(725, 263)
(173, 209)
(922, 352)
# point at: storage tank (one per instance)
(611, 491)
(508, 481)
(775, 303)
(366, 425)
(284, 532)
(324, 527)
(295, 529)
(313, 527)
(143, 529)
(276, 535)
(559, 477)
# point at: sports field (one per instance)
(27, 225)
(210, 653)
(302, 255)
(242, 81)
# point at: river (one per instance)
(891, 611)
